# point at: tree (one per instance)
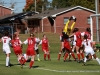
(69, 3)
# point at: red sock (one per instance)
(45, 56)
(31, 63)
(59, 55)
(78, 56)
(82, 54)
(21, 62)
(73, 56)
(48, 56)
(66, 55)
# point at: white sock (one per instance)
(85, 59)
(98, 60)
(7, 61)
(37, 55)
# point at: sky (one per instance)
(18, 6)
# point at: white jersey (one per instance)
(88, 47)
(6, 41)
(37, 41)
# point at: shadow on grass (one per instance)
(92, 65)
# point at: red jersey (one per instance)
(88, 34)
(31, 45)
(44, 44)
(78, 38)
(16, 44)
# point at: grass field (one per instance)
(53, 67)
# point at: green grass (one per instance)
(53, 67)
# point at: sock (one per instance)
(66, 55)
(98, 60)
(48, 56)
(7, 61)
(85, 59)
(82, 54)
(37, 55)
(73, 56)
(23, 60)
(31, 63)
(59, 55)
(45, 56)
(78, 54)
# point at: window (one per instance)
(88, 20)
(66, 19)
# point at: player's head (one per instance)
(75, 30)
(14, 36)
(6, 33)
(44, 36)
(85, 36)
(31, 35)
(88, 29)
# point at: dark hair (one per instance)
(43, 35)
(14, 36)
(88, 29)
(75, 30)
(32, 35)
(6, 33)
(86, 37)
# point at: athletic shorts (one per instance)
(79, 43)
(30, 51)
(17, 50)
(6, 50)
(67, 45)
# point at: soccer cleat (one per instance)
(83, 64)
(21, 66)
(38, 59)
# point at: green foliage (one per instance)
(69, 3)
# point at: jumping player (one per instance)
(88, 49)
(6, 49)
(45, 47)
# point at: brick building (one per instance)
(5, 10)
(54, 20)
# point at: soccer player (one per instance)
(78, 40)
(6, 49)
(37, 49)
(17, 47)
(88, 49)
(30, 49)
(45, 47)
(61, 48)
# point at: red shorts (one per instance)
(79, 43)
(45, 49)
(30, 51)
(67, 45)
(17, 50)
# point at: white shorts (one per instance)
(6, 50)
(89, 51)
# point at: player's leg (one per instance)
(32, 61)
(37, 52)
(7, 59)
(48, 54)
(45, 54)
(78, 53)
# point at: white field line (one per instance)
(68, 71)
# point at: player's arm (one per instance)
(25, 42)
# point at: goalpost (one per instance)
(97, 27)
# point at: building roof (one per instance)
(6, 7)
(56, 12)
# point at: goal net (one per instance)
(95, 28)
